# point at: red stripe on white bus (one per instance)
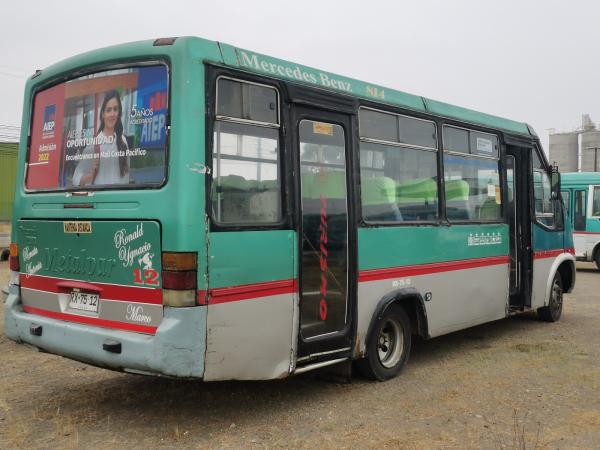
(427, 269)
(550, 253)
(107, 291)
(90, 320)
(585, 232)
(250, 291)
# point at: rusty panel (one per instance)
(8, 171)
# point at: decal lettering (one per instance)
(77, 227)
(128, 253)
(323, 259)
(150, 277)
(135, 313)
(32, 269)
(484, 239)
(77, 264)
(294, 72)
(29, 252)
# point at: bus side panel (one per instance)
(548, 246)
(456, 300)
(252, 305)
(591, 237)
(461, 271)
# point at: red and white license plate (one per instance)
(84, 301)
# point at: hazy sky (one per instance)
(532, 61)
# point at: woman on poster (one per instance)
(110, 165)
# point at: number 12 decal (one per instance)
(150, 277)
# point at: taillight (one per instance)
(14, 257)
(179, 281)
(179, 278)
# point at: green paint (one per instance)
(110, 253)
(8, 165)
(277, 68)
(403, 246)
(544, 239)
(581, 181)
(246, 257)
(179, 206)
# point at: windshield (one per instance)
(104, 130)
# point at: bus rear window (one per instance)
(103, 130)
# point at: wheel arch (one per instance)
(565, 265)
(567, 275)
(413, 304)
(595, 252)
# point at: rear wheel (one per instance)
(553, 311)
(597, 258)
(388, 346)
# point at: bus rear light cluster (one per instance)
(179, 281)
(179, 278)
(13, 259)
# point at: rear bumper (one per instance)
(177, 349)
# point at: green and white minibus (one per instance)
(191, 209)
(581, 195)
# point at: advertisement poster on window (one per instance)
(107, 129)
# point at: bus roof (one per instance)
(228, 55)
(255, 62)
(579, 178)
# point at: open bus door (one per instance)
(517, 163)
(326, 230)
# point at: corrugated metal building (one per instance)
(8, 168)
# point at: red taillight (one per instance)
(179, 271)
(179, 281)
(14, 258)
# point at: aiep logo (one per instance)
(49, 119)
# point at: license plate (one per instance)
(84, 301)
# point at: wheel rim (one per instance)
(557, 298)
(390, 343)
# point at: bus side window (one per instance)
(566, 196)
(246, 186)
(596, 202)
(471, 176)
(542, 193)
(579, 211)
(398, 168)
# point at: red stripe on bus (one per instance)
(201, 298)
(570, 250)
(586, 232)
(427, 269)
(249, 291)
(108, 291)
(90, 320)
(549, 253)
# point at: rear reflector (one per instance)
(179, 298)
(14, 258)
(179, 261)
(179, 281)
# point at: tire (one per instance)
(553, 311)
(597, 258)
(388, 347)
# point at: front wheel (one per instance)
(553, 311)
(597, 258)
(388, 347)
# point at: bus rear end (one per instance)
(99, 270)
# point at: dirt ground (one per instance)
(515, 383)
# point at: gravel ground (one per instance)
(515, 383)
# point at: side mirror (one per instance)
(555, 182)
